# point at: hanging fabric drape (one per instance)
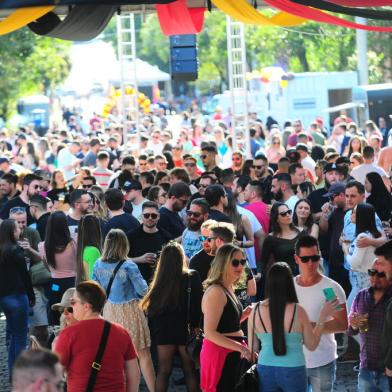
(177, 18)
(363, 13)
(22, 17)
(320, 16)
(362, 3)
(242, 11)
(11, 4)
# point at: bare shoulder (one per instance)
(215, 292)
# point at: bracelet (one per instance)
(320, 324)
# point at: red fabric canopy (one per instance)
(319, 16)
(177, 18)
(362, 3)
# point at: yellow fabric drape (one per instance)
(21, 17)
(242, 11)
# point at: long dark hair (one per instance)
(57, 236)
(234, 215)
(274, 224)
(246, 167)
(89, 234)
(165, 289)
(366, 220)
(379, 196)
(309, 220)
(7, 237)
(280, 291)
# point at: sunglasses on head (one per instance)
(148, 216)
(373, 272)
(237, 262)
(285, 213)
(195, 214)
(313, 258)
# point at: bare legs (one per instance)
(147, 368)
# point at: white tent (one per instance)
(94, 64)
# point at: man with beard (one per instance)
(31, 187)
(282, 190)
(202, 260)
(8, 188)
(81, 204)
(197, 215)
(170, 219)
(146, 241)
(208, 157)
(262, 174)
(317, 198)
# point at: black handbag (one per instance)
(194, 341)
(249, 379)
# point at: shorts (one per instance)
(40, 309)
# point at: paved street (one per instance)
(346, 377)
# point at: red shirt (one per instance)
(77, 347)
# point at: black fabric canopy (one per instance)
(83, 23)
(31, 3)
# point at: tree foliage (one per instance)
(30, 64)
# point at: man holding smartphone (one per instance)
(310, 285)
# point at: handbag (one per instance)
(39, 274)
(194, 341)
(96, 365)
(249, 379)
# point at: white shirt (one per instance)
(360, 172)
(309, 164)
(291, 202)
(312, 299)
(256, 226)
(64, 159)
(137, 210)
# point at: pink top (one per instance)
(65, 261)
(260, 210)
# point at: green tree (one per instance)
(30, 64)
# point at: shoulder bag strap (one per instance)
(114, 273)
(96, 365)
(252, 346)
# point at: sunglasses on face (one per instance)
(236, 159)
(69, 309)
(86, 186)
(148, 216)
(37, 187)
(195, 214)
(373, 272)
(190, 164)
(202, 186)
(203, 156)
(237, 262)
(285, 213)
(313, 258)
(209, 239)
(257, 167)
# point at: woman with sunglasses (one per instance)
(224, 342)
(275, 151)
(279, 243)
(361, 259)
(166, 304)
(59, 253)
(282, 326)
(303, 218)
(16, 290)
(128, 288)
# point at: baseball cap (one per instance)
(302, 147)
(330, 167)
(129, 185)
(65, 300)
(4, 160)
(335, 189)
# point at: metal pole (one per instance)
(135, 99)
(362, 45)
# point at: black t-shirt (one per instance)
(171, 222)
(201, 263)
(41, 225)
(56, 194)
(141, 242)
(16, 202)
(317, 200)
(73, 226)
(219, 216)
(335, 228)
(125, 222)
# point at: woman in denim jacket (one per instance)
(122, 306)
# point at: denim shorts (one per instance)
(279, 378)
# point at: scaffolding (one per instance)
(126, 41)
(236, 54)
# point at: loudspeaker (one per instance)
(183, 57)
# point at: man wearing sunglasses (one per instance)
(146, 241)
(208, 157)
(384, 257)
(309, 285)
(31, 186)
(197, 214)
(367, 317)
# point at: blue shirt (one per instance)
(128, 284)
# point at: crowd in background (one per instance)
(177, 235)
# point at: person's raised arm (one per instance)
(247, 232)
(132, 375)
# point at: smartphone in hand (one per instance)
(330, 295)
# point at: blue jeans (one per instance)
(284, 379)
(372, 381)
(322, 378)
(16, 310)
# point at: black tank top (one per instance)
(230, 320)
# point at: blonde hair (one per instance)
(116, 246)
(220, 265)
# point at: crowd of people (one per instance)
(116, 255)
